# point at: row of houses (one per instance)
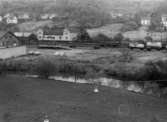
(58, 34)
(141, 35)
(14, 19)
(9, 39)
(146, 20)
(119, 14)
(65, 34)
(11, 18)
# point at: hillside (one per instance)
(86, 12)
(28, 99)
(33, 26)
(109, 30)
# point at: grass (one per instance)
(32, 25)
(27, 99)
(109, 30)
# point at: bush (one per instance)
(45, 68)
(2, 67)
(101, 38)
(157, 70)
(118, 37)
(130, 26)
(126, 55)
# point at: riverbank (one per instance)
(137, 78)
(28, 99)
(147, 88)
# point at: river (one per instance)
(109, 82)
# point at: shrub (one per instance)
(130, 26)
(118, 37)
(126, 55)
(157, 70)
(45, 68)
(102, 38)
(92, 74)
(2, 67)
(154, 119)
(148, 38)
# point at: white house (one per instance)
(146, 21)
(48, 16)
(7, 15)
(11, 20)
(51, 16)
(56, 34)
(164, 20)
(1, 18)
(116, 14)
(24, 16)
(44, 16)
(22, 34)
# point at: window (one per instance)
(5, 37)
(3, 43)
(66, 33)
(14, 44)
(40, 37)
(60, 37)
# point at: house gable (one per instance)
(8, 40)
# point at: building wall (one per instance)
(67, 36)
(140, 35)
(146, 22)
(22, 34)
(12, 21)
(135, 35)
(6, 53)
(158, 36)
(9, 40)
(164, 23)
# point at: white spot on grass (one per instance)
(96, 90)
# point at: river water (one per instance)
(109, 82)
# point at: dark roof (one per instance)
(54, 31)
(2, 33)
(146, 17)
(74, 29)
(59, 30)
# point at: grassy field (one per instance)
(33, 26)
(91, 54)
(109, 30)
(27, 100)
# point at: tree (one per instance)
(155, 22)
(76, 70)
(83, 34)
(126, 56)
(137, 19)
(130, 26)
(45, 68)
(102, 37)
(33, 39)
(92, 75)
(154, 119)
(118, 37)
(148, 38)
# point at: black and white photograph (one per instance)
(83, 60)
